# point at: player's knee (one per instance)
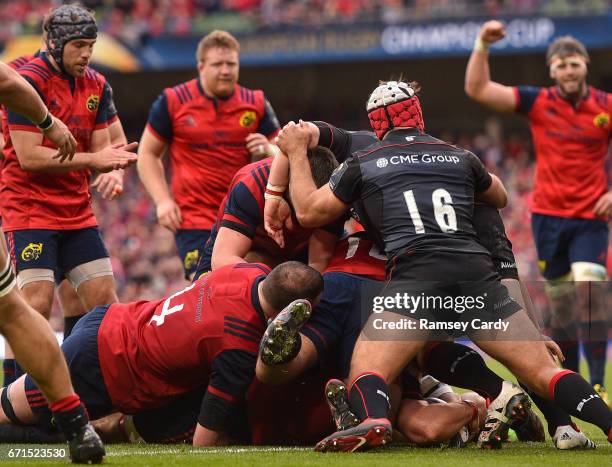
(585, 271)
(37, 288)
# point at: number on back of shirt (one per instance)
(442, 209)
(167, 309)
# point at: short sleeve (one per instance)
(482, 177)
(345, 182)
(159, 118)
(268, 125)
(526, 97)
(242, 211)
(102, 117)
(337, 140)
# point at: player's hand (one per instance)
(169, 215)
(258, 146)
(109, 185)
(276, 215)
(293, 137)
(114, 157)
(553, 348)
(492, 31)
(603, 206)
(60, 135)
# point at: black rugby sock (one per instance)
(459, 365)
(570, 391)
(369, 396)
(69, 323)
(567, 339)
(555, 416)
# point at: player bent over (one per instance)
(143, 356)
(29, 334)
(387, 197)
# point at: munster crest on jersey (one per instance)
(602, 120)
(93, 102)
(248, 118)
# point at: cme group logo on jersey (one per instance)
(248, 118)
(383, 162)
(93, 102)
(32, 252)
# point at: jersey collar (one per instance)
(213, 99)
(255, 299)
(401, 133)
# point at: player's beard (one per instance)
(572, 91)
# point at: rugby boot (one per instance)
(529, 428)
(569, 437)
(336, 396)
(511, 404)
(603, 393)
(84, 444)
(370, 433)
(281, 342)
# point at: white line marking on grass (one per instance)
(198, 452)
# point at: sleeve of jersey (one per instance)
(111, 110)
(242, 211)
(323, 328)
(482, 177)
(345, 182)
(102, 116)
(268, 125)
(231, 375)
(525, 98)
(337, 140)
(159, 118)
(19, 122)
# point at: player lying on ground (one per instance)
(384, 197)
(149, 355)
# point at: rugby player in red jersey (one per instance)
(46, 204)
(29, 334)
(109, 185)
(238, 234)
(211, 127)
(144, 356)
(571, 128)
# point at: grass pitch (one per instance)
(512, 454)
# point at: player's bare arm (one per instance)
(496, 195)
(278, 374)
(230, 247)
(276, 211)
(34, 157)
(478, 83)
(603, 206)
(110, 185)
(260, 147)
(314, 207)
(205, 437)
(321, 247)
(152, 174)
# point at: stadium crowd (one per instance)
(138, 19)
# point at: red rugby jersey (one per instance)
(54, 200)
(151, 351)
(355, 254)
(571, 144)
(206, 138)
(242, 210)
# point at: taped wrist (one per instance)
(431, 387)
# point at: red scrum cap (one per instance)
(394, 104)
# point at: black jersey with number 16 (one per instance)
(414, 193)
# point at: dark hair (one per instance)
(289, 281)
(565, 46)
(322, 164)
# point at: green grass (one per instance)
(513, 454)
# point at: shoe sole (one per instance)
(376, 435)
(336, 396)
(279, 341)
(516, 408)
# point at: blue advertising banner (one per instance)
(349, 42)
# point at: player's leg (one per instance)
(190, 243)
(566, 388)
(34, 253)
(36, 348)
(70, 304)
(588, 253)
(552, 242)
(83, 255)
